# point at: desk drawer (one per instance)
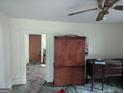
(113, 72)
(98, 71)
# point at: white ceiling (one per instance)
(57, 10)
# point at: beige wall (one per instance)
(104, 40)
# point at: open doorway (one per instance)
(35, 54)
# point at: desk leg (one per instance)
(92, 84)
(86, 78)
(93, 75)
(102, 77)
(102, 83)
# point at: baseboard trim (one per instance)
(6, 90)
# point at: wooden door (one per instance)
(35, 48)
(69, 60)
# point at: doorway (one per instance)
(37, 48)
(35, 55)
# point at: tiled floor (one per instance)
(108, 88)
(36, 78)
(36, 74)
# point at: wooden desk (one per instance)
(113, 67)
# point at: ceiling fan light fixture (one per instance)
(106, 12)
(104, 18)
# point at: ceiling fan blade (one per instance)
(118, 7)
(70, 14)
(110, 3)
(100, 16)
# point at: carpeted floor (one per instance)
(36, 84)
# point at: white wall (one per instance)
(26, 47)
(43, 45)
(104, 40)
(5, 65)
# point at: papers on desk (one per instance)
(100, 62)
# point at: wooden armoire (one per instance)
(69, 67)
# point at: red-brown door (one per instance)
(35, 48)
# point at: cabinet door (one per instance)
(69, 51)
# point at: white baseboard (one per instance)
(4, 90)
(15, 81)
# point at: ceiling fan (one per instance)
(103, 6)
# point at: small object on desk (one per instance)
(100, 62)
